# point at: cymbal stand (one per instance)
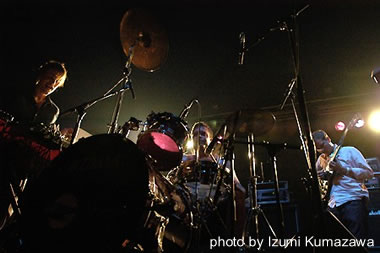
(272, 150)
(127, 84)
(254, 210)
(229, 157)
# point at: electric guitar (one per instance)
(326, 181)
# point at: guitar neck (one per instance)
(339, 145)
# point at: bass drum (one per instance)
(170, 216)
(163, 139)
(90, 199)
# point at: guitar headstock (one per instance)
(354, 120)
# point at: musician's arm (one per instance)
(358, 167)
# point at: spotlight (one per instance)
(360, 123)
(374, 121)
(340, 126)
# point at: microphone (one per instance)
(242, 48)
(187, 108)
(216, 138)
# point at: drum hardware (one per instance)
(132, 124)
(187, 108)
(254, 211)
(231, 126)
(272, 149)
(162, 139)
(126, 84)
(145, 44)
(170, 212)
(253, 123)
(141, 28)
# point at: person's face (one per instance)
(201, 136)
(324, 146)
(48, 82)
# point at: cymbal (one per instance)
(249, 121)
(140, 28)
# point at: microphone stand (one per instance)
(82, 111)
(304, 124)
(280, 27)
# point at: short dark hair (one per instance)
(56, 66)
(320, 135)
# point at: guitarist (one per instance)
(348, 199)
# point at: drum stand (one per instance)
(254, 210)
(127, 84)
(202, 210)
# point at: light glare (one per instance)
(374, 121)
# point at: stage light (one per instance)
(360, 123)
(340, 126)
(374, 121)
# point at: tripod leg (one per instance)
(267, 222)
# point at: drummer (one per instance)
(202, 135)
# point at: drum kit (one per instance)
(181, 201)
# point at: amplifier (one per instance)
(374, 163)
(374, 217)
(373, 183)
(266, 192)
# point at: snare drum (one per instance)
(163, 139)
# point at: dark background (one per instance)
(339, 47)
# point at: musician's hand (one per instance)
(337, 167)
(67, 133)
(321, 173)
(323, 160)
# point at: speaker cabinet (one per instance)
(374, 218)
